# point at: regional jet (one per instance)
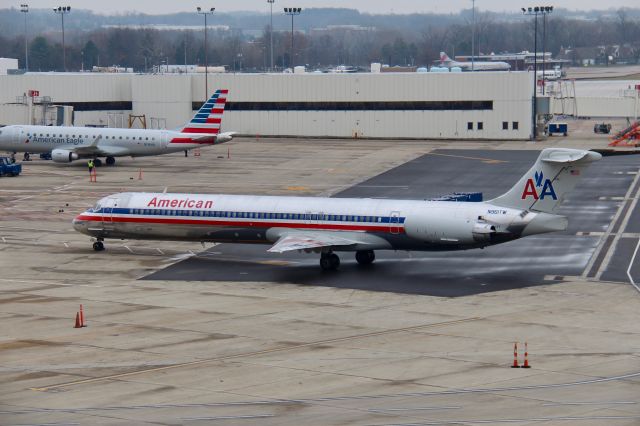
(330, 225)
(446, 61)
(67, 144)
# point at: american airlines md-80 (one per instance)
(329, 225)
(67, 144)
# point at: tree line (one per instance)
(146, 47)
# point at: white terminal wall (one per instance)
(171, 96)
(510, 92)
(163, 96)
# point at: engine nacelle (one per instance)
(482, 231)
(63, 156)
(224, 137)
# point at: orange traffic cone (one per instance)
(81, 317)
(515, 356)
(526, 357)
(78, 325)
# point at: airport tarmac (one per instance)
(229, 350)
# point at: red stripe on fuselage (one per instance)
(200, 130)
(196, 142)
(243, 224)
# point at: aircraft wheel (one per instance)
(335, 261)
(329, 262)
(98, 246)
(97, 162)
(111, 161)
(365, 257)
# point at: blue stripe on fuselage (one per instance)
(352, 219)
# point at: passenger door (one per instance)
(394, 222)
(107, 211)
(20, 137)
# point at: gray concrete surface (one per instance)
(259, 352)
(448, 274)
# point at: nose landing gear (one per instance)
(98, 245)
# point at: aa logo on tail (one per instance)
(538, 189)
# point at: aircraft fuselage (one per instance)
(377, 224)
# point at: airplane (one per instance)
(67, 144)
(445, 60)
(329, 225)
(552, 74)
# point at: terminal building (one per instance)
(455, 106)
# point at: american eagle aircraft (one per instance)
(67, 144)
(329, 225)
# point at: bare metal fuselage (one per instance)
(375, 224)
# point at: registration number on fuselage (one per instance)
(496, 211)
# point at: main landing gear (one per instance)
(365, 257)
(98, 245)
(330, 261)
(97, 162)
(111, 161)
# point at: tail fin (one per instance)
(444, 58)
(554, 174)
(208, 119)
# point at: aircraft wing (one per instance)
(307, 240)
(97, 150)
(87, 149)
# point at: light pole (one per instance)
(473, 34)
(63, 10)
(292, 11)
(206, 62)
(271, 31)
(545, 10)
(24, 8)
(534, 11)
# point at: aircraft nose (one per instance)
(79, 224)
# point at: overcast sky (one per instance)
(370, 6)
